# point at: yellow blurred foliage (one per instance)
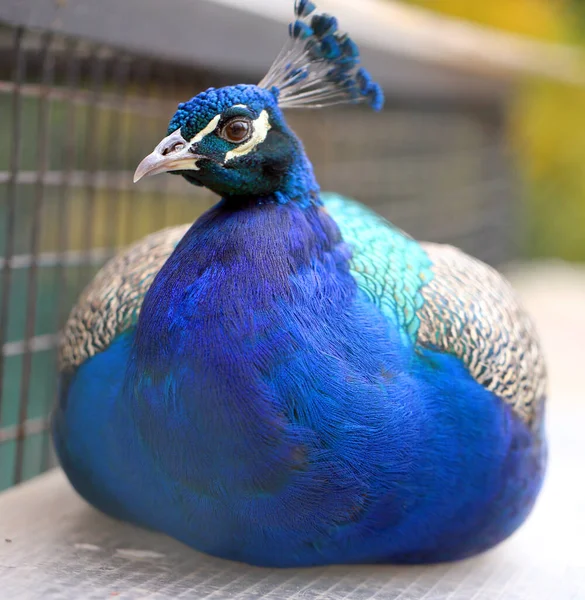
(547, 126)
(536, 18)
(548, 132)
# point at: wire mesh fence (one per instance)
(76, 119)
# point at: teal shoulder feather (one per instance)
(387, 264)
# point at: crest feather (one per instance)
(319, 65)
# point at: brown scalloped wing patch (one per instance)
(471, 311)
(111, 303)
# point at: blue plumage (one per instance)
(291, 380)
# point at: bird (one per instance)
(291, 380)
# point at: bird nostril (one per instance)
(174, 148)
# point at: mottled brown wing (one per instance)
(471, 311)
(111, 303)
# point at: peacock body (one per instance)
(291, 380)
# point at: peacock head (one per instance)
(235, 140)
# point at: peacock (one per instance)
(291, 380)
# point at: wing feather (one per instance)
(111, 303)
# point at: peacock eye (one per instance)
(237, 130)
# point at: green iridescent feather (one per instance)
(387, 264)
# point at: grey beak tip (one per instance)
(144, 169)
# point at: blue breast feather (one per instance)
(289, 419)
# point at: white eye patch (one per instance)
(261, 127)
(209, 128)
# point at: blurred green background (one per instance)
(547, 127)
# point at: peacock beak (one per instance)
(172, 154)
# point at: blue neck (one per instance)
(299, 184)
(217, 322)
(242, 255)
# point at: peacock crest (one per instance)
(319, 65)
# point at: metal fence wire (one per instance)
(77, 117)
